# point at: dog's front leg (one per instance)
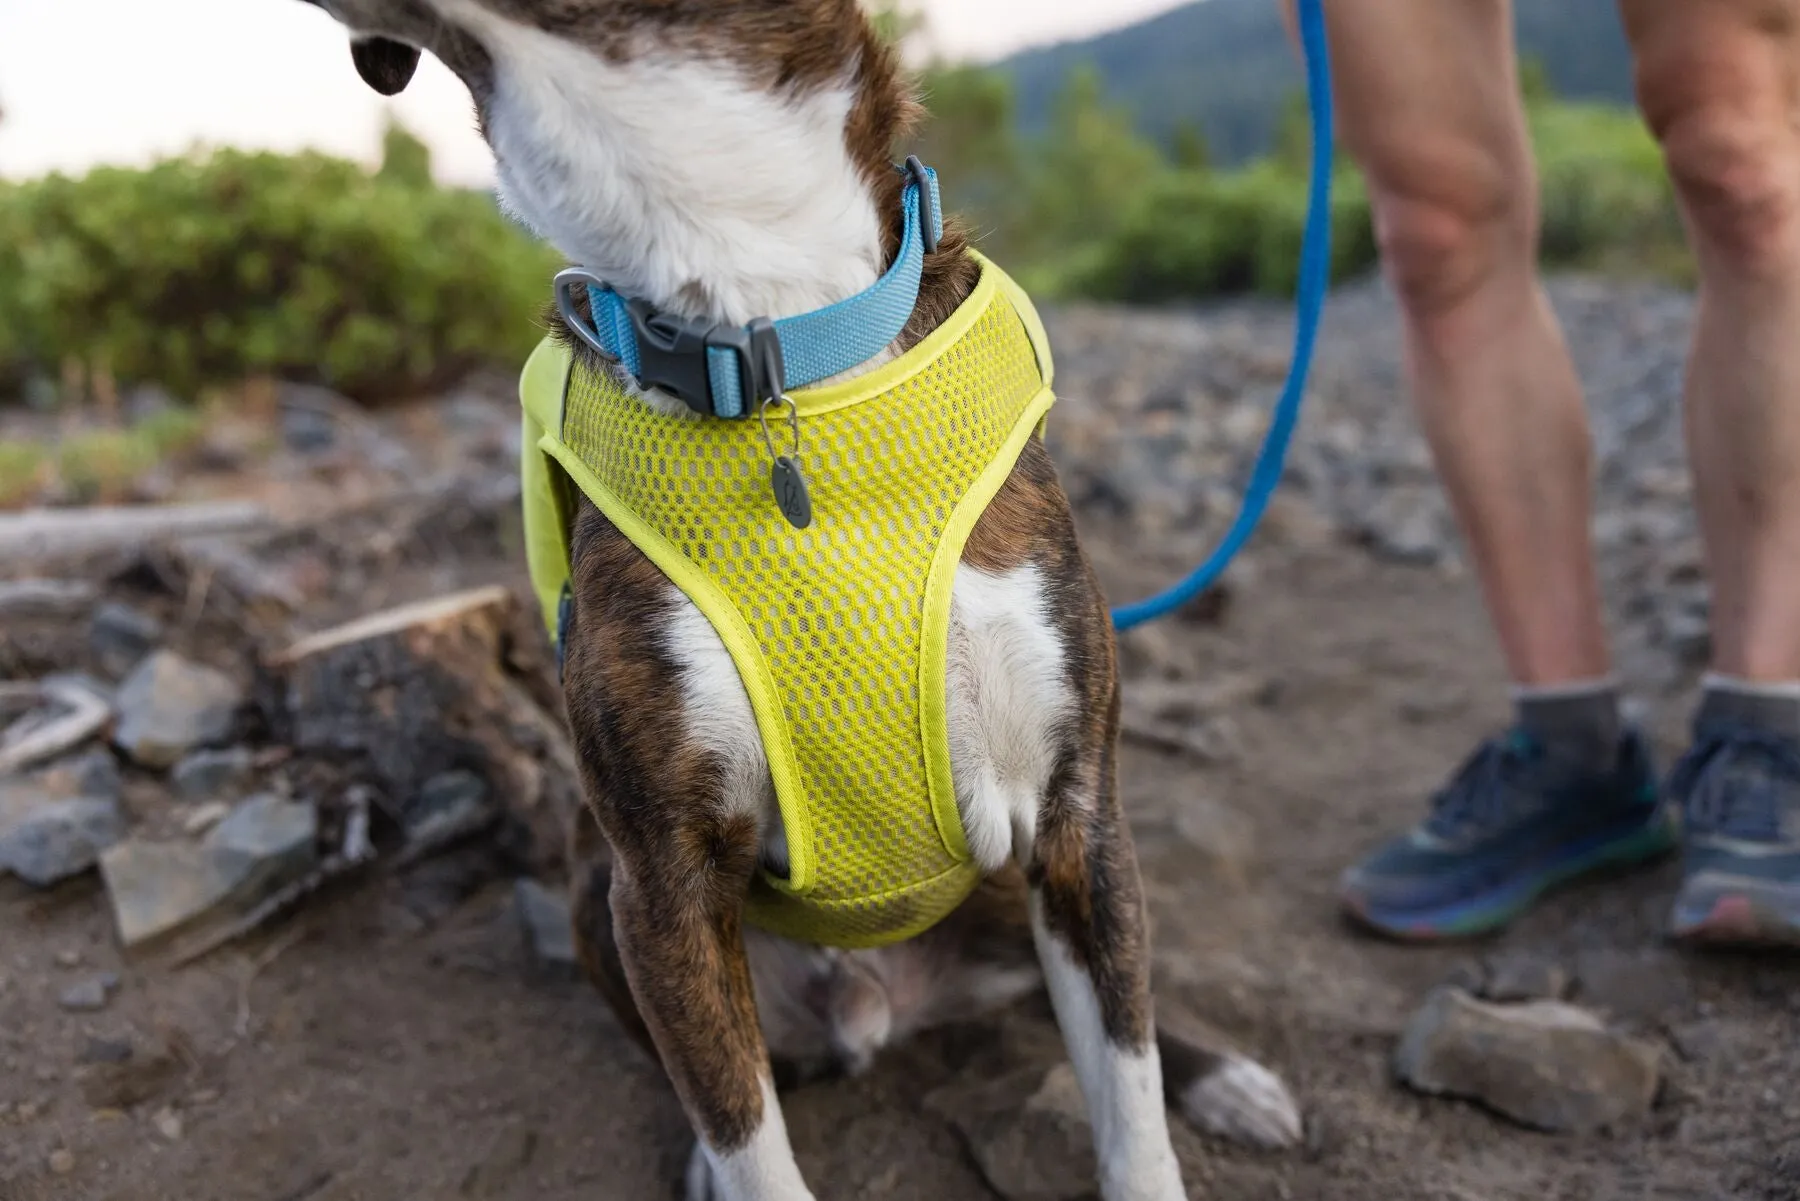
(1087, 917)
(677, 920)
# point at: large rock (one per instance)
(163, 892)
(1028, 1133)
(1544, 1064)
(169, 706)
(54, 824)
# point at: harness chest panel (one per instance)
(839, 631)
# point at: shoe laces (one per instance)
(1744, 803)
(1496, 784)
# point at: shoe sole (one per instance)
(1719, 910)
(1499, 908)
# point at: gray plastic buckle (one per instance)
(674, 355)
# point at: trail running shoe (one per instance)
(1512, 823)
(1739, 787)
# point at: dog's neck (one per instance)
(678, 178)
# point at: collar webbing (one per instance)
(724, 370)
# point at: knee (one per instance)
(1736, 176)
(1449, 223)
(1722, 120)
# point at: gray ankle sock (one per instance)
(1577, 723)
(1772, 707)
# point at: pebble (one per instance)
(62, 1161)
(1520, 977)
(168, 1124)
(204, 817)
(1544, 1064)
(169, 706)
(45, 839)
(68, 957)
(1028, 1133)
(213, 774)
(120, 636)
(158, 890)
(89, 996)
(544, 923)
(447, 805)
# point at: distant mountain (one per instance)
(1227, 65)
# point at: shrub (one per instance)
(205, 270)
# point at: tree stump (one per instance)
(418, 699)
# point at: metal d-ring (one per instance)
(563, 284)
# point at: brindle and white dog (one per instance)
(725, 160)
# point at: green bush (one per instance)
(209, 269)
(1092, 210)
(1607, 199)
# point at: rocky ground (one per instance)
(249, 953)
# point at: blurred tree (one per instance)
(1084, 172)
(1534, 80)
(1293, 133)
(1188, 148)
(405, 158)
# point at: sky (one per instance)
(124, 81)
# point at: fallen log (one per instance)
(48, 534)
(418, 695)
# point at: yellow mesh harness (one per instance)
(838, 631)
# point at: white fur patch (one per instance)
(719, 717)
(1245, 1102)
(763, 1170)
(1122, 1087)
(678, 178)
(1007, 697)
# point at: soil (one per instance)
(385, 1046)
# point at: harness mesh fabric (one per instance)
(840, 629)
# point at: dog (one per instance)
(726, 160)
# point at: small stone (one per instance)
(141, 1074)
(89, 996)
(169, 706)
(544, 922)
(1544, 1064)
(121, 636)
(1525, 978)
(62, 1161)
(105, 1050)
(1028, 1133)
(159, 890)
(68, 957)
(307, 425)
(29, 1110)
(449, 804)
(1633, 984)
(1697, 1041)
(168, 1124)
(507, 1158)
(45, 839)
(1221, 834)
(213, 774)
(202, 818)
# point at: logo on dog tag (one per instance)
(791, 495)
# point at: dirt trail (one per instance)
(358, 1053)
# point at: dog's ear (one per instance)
(385, 65)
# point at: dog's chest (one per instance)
(839, 631)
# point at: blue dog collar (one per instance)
(724, 370)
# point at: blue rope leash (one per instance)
(1315, 281)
